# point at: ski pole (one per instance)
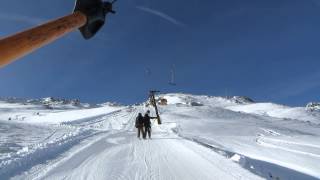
(88, 17)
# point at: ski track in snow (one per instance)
(305, 149)
(163, 157)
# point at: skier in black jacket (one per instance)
(147, 124)
(139, 125)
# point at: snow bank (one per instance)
(313, 106)
(74, 115)
(30, 156)
(278, 111)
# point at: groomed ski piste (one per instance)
(201, 138)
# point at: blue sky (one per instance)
(267, 50)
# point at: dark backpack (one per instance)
(139, 121)
(146, 121)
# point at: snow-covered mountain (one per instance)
(201, 137)
(48, 102)
(313, 106)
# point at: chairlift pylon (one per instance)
(153, 102)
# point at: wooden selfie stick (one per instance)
(21, 44)
(88, 16)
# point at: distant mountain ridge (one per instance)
(49, 102)
(53, 103)
(313, 106)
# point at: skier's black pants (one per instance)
(140, 131)
(147, 130)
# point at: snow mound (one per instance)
(72, 115)
(38, 153)
(241, 99)
(313, 106)
(112, 104)
(277, 111)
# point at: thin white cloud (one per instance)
(21, 18)
(162, 15)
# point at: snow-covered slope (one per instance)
(278, 111)
(202, 137)
(261, 131)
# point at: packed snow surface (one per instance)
(201, 137)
